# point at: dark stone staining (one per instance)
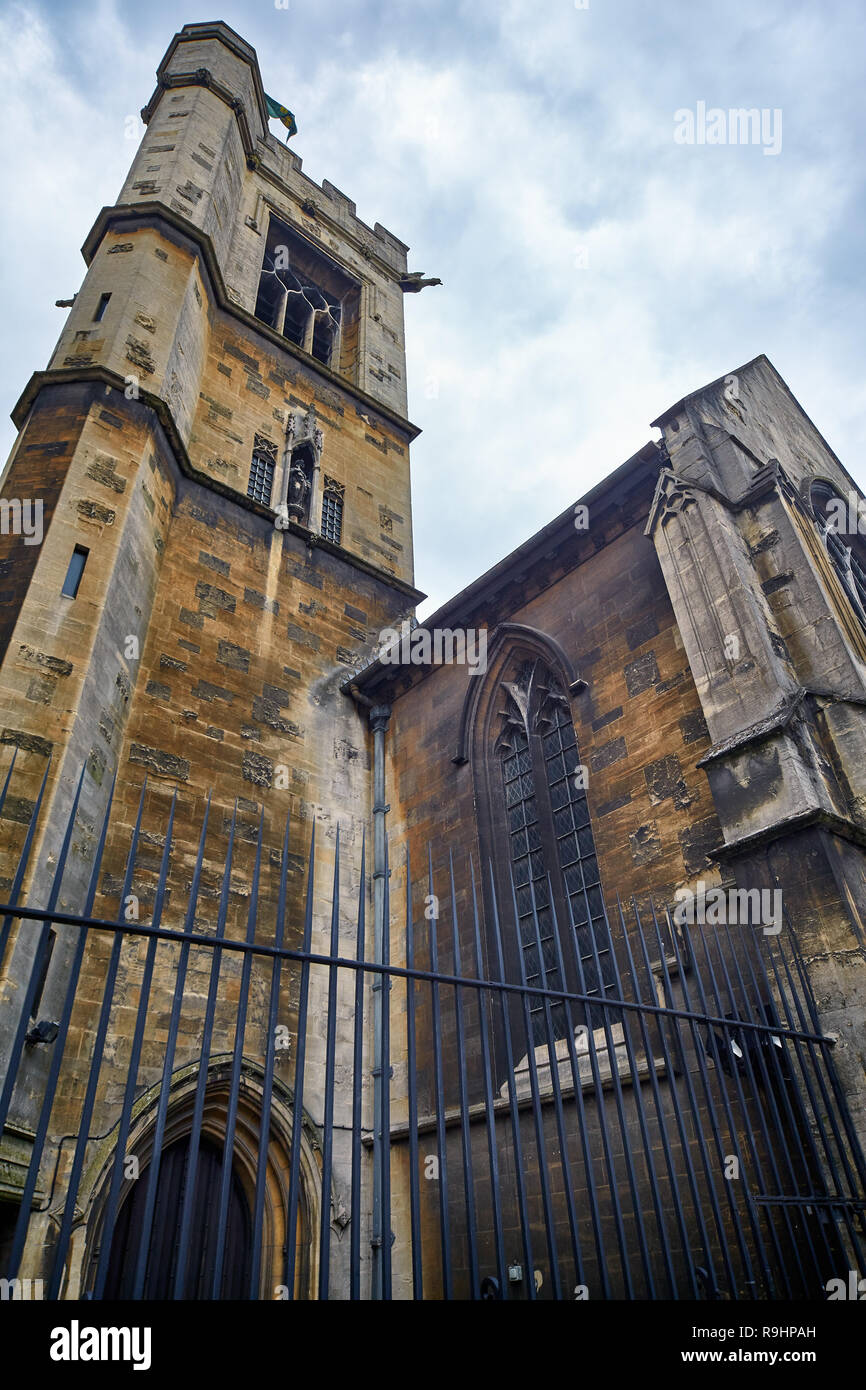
(148, 500)
(54, 664)
(17, 809)
(159, 692)
(211, 732)
(28, 743)
(612, 752)
(250, 363)
(93, 511)
(172, 663)
(693, 727)
(96, 765)
(640, 675)
(664, 686)
(224, 370)
(258, 388)
(188, 646)
(698, 843)
(212, 599)
(278, 696)
(645, 843)
(641, 632)
(205, 691)
(305, 573)
(607, 807)
(121, 680)
(102, 471)
(779, 646)
(345, 656)
(665, 779)
(138, 353)
(120, 246)
(313, 609)
(606, 719)
(115, 421)
(267, 712)
(258, 769)
(189, 715)
(251, 732)
(203, 162)
(191, 619)
(163, 255)
(257, 600)
(165, 764)
(779, 581)
(235, 657)
(41, 690)
(765, 543)
(304, 639)
(291, 673)
(212, 562)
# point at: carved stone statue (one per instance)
(299, 491)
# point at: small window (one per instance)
(332, 510)
(101, 308)
(262, 469)
(76, 569)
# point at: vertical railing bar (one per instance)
(19, 1238)
(842, 1105)
(553, 1060)
(439, 1088)
(8, 777)
(110, 1209)
(519, 1174)
(582, 1126)
(538, 1121)
(23, 861)
(168, 1067)
(637, 1205)
(298, 1097)
(385, 1150)
(17, 1047)
(818, 1060)
(330, 1070)
(639, 1106)
(484, 1026)
(685, 1146)
(463, 1100)
(268, 1082)
(774, 1115)
(235, 1076)
(600, 1105)
(189, 1184)
(702, 1145)
(83, 1137)
(411, 1064)
(732, 1128)
(657, 1100)
(357, 1088)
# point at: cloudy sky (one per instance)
(595, 269)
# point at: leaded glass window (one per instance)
(828, 508)
(264, 462)
(550, 844)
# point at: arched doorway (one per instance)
(165, 1234)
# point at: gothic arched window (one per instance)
(840, 532)
(540, 832)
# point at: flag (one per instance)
(282, 113)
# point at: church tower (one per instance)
(219, 448)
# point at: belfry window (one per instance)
(840, 532)
(332, 510)
(307, 298)
(549, 844)
(264, 462)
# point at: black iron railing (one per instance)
(695, 1145)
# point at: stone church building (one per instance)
(644, 796)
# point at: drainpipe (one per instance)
(378, 717)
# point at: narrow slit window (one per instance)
(101, 308)
(72, 581)
(332, 510)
